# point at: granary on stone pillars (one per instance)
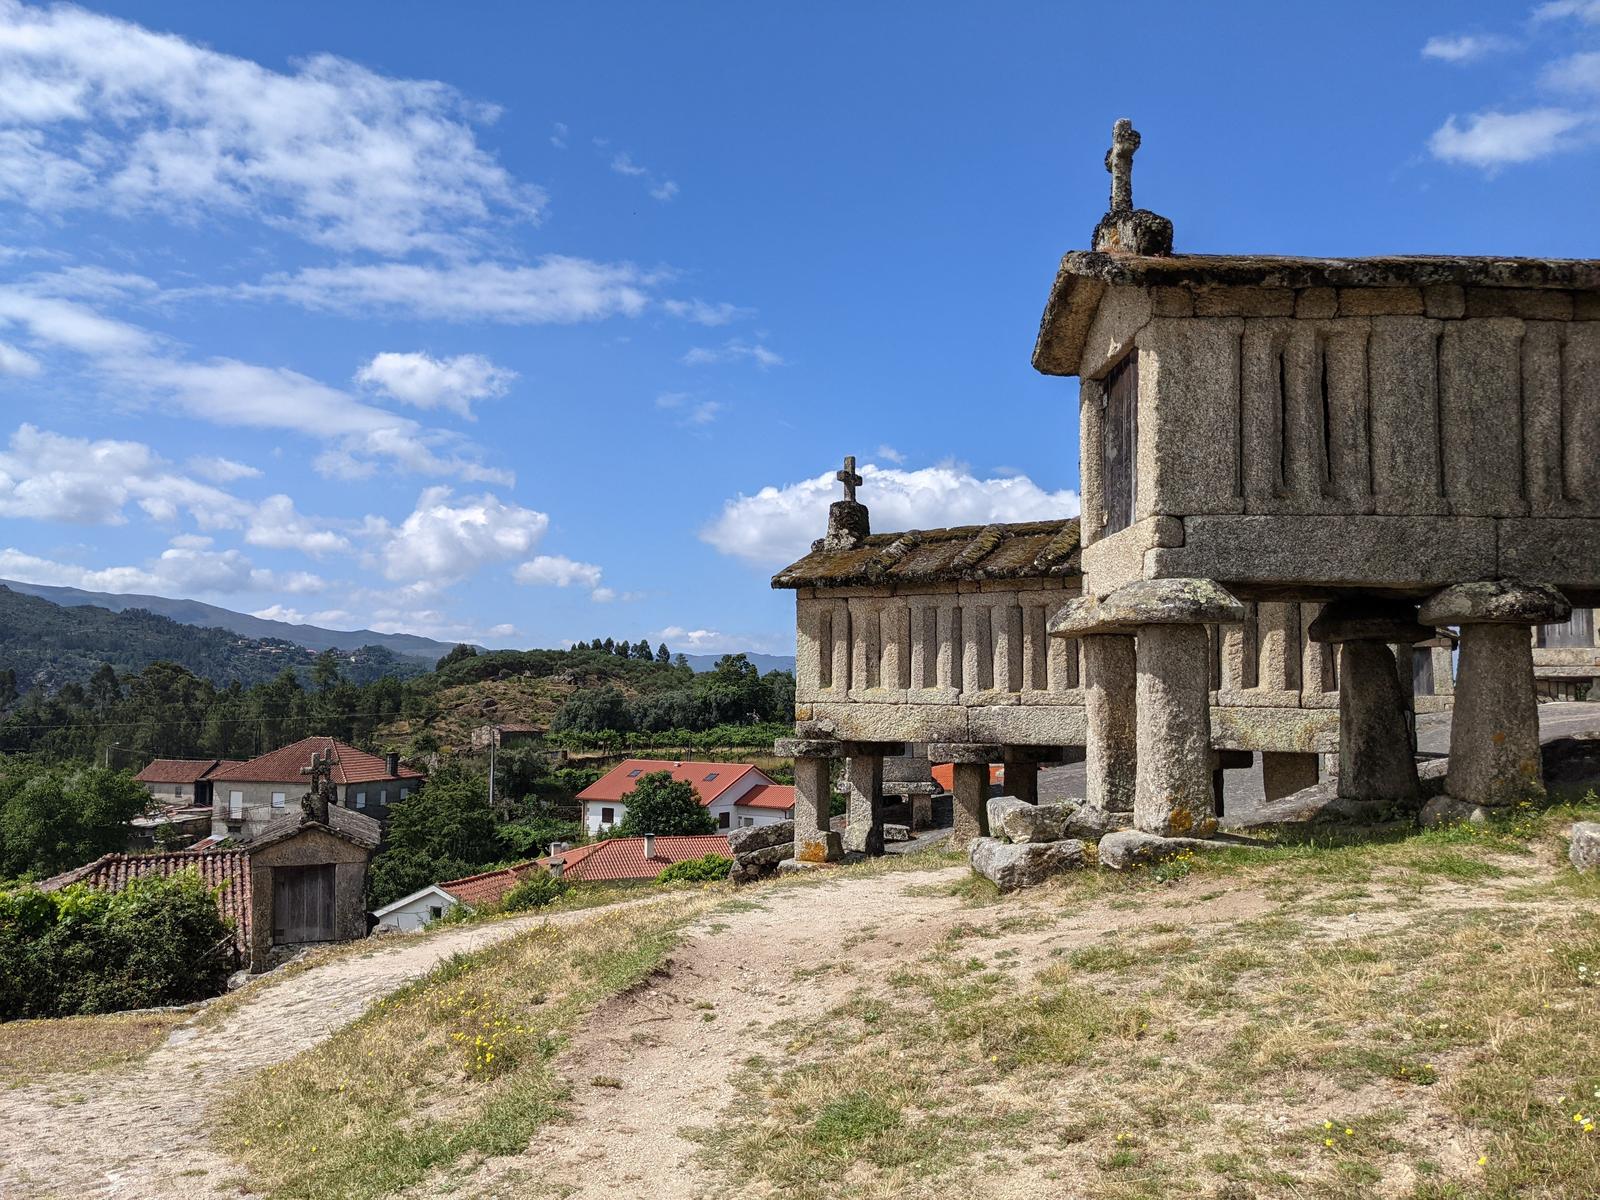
(1363, 449)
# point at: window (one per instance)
(747, 821)
(724, 819)
(361, 799)
(608, 816)
(634, 774)
(435, 912)
(383, 797)
(177, 790)
(711, 776)
(236, 804)
(278, 799)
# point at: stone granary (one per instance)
(1372, 447)
(1294, 472)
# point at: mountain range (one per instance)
(411, 649)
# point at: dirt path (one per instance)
(142, 1133)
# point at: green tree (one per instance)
(444, 830)
(733, 689)
(662, 805)
(662, 655)
(593, 710)
(461, 653)
(325, 672)
(622, 649)
(53, 818)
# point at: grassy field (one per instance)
(1413, 1017)
(34, 1050)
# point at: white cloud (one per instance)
(1575, 73)
(445, 540)
(278, 526)
(703, 312)
(179, 571)
(778, 524)
(1463, 48)
(557, 290)
(689, 410)
(222, 470)
(17, 362)
(890, 454)
(623, 164)
(65, 323)
(1493, 139)
(556, 570)
(279, 612)
(425, 382)
(50, 477)
(734, 350)
(1555, 10)
(603, 595)
(558, 136)
(681, 640)
(102, 112)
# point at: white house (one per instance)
(411, 913)
(739, 795)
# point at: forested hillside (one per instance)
(47, 646)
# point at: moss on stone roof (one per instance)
(1026, 550)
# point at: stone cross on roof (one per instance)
(315, 802)
(848, 477)
(1119, 161)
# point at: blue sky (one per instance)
(522, 323)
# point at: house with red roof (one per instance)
(739, 795)
(248, 796)
(182, 782)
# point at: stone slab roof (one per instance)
(342, 822)
(1085, 274)
(1028, 550)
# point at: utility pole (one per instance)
(494, 744)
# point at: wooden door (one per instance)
(302, 904)
(1119, 441)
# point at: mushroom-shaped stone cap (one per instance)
(1148, 602)
(1496, 602)
(1364, 619)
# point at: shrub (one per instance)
(663, 805)
(712, 868)
(536, 890)
(158, 941)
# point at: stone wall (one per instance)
(1349, 437)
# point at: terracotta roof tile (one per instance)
(181, 770)
(226, 870)
(489, 887)
(779, 796)
(623, 858)
(710, 779)
(283, 765)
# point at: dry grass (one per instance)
(1436, 1044)
(32, 1050)
(452, 1068)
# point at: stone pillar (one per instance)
(1173, 795)
(1283, 774)
(1444, 679)
(1172, 693)
(814, 841)
(921, 811)
(863, 776)
(1406, 674)
(971, 791)
(1109, 707)
(1494, 733)
(1022, 781)
(1376, 756)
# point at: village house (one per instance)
(302, 880)
(506, 735)
(249, 796)
(182, 782)
(739, 795)
(1295, 474)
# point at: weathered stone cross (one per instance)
(1119, 161)
(315, 802)
(848, 477)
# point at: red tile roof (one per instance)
(616, 783)
(489, 887)
(779, 796)
(623, 858)
(226, 870)
(944, 774)
(283, 765)
(182, 770)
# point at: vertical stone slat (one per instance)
(1480, 413)
(1403, 408)
(1580, 411)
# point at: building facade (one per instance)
(249, 796)
(738, 795)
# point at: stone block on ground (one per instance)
(897, 833)
(819, 847)
(795, 866)
(1447, 810)
(759, 837)
(1585, 849)
(766, 856)
(1018, 821)
(1125, 848)
(1010, 866)
(1321, 804)
(1091, 823)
